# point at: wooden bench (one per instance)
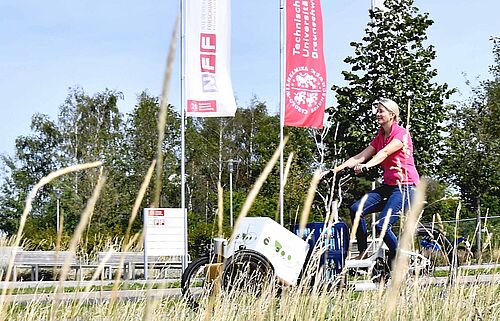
(133, 261)
(5, 255)
(37, 260)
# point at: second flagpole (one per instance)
(282, 103)
(183, 132)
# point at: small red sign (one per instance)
(156, 213)
(202, 106)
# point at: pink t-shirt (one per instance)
(399, 166)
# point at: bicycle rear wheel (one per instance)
(247, 270)
(198, 280)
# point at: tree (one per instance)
(37, 155)
(140, 148)
(250, 138)
(472, 157)
(88, 129)
(92, 129)
(392, 61)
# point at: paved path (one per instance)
(427, 281)
(121, 295)
(125, 295)
(73, 284)
(471, 267)
(480, 278)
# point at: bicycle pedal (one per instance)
(365, 286)
(366, 263)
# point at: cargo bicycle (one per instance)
(264, 252)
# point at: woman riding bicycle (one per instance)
(392, 149)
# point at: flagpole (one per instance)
(282, 102)
(183, 132)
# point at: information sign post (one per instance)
(164, 230)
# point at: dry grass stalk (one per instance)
(400, 266)
(454, 263)
(308, 202)
(287, 168)
(138, 202)
(126, 244)
(355, 224)
(82, 225)
(257, 186)
(162, 116)
(216, 290)
(440, 223)
(60, 231)
(333, 204)
(285, 177)
(330, 214)
(75, 239)
(384, 229)
(27, 209)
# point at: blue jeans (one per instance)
(381, 200)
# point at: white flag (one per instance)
(209, 92)
(379, 4)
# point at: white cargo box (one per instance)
(285, 250)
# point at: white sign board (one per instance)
(164, 231)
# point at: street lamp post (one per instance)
(58, 202)
(231, 168)
(230, 165)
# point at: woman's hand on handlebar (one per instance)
(357, 169)
(327, 174)
(330, 172)
(360, 168)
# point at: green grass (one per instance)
(467, 272)
(106, 287)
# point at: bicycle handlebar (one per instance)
(339, 176)
(346, 171)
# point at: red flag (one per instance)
(305, 77)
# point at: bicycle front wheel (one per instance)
(435, 247)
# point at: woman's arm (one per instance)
(358, 159)
(391, 148)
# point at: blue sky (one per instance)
(48, 46)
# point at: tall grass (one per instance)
(460, 302)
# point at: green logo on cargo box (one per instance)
(278, 248)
